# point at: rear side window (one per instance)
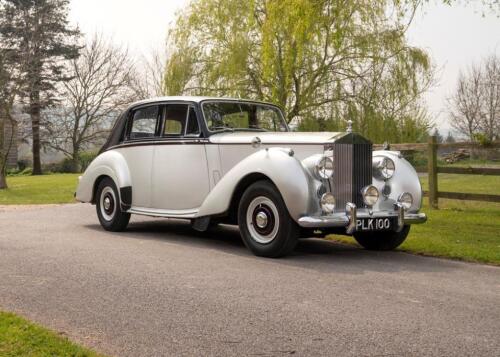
(175, 119)
(180, 120)
(143, 123)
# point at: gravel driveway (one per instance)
(161, 289)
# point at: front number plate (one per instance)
(374, 224)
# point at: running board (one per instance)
(185, 214)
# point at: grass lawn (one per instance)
(56, 188)
(465, 230)
(19, 337)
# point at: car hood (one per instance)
(274, 137)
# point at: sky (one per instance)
(454, 36)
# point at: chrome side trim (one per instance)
(163, 213)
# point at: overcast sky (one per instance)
(454, 36)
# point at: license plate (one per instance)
(374, 224)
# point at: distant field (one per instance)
(466, 183)
(56, 188)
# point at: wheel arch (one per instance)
(240, 189)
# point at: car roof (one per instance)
(196, 99)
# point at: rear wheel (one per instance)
(382, 240)
(108, 207)
(265, 224)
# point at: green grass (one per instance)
(19, 337)
(56, 188)
(465, 230)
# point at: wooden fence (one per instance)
(432, 169)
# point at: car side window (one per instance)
(175, 119)
(143, 123)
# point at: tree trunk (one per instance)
(75, 163)
(35, 126)
(3, 154)
(3, 179)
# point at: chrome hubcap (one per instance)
(261, 219)
(107, 203)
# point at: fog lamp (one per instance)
(327, 202)
(406, 200)
(370, 195)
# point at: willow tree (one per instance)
(324, 61)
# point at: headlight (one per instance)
(370, 195)
(327, 202)
(383, 167)
(324, 168)
(406, 200)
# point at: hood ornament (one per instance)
(349, 126)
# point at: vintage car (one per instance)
(233, 161)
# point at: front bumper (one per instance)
(348, 219)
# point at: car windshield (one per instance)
(232, 116)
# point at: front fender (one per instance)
(109, 163)
(405, 179)
(280, 166)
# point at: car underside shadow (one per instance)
(312, 253)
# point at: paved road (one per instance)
(161, 289)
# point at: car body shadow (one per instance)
(311, 253)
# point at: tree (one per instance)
(450, 139)
(8, 94)
(149, 79)
(323, 61)
(437, 134)
(99, 88)
(474, 108)
(37, 34)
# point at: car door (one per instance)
(180, 174)
(138, 148)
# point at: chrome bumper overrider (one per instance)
(349, 218)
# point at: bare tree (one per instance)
(489, 123)
(99, 90)
(475, 106)
(149, 79)
(465, 104)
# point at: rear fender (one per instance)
(109, 163)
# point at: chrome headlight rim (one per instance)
(370, 195)
(384, 168)
(327, 202)
(406, 200)
(321, 169)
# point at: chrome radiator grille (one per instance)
(352, 169)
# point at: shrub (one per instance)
(86, 157)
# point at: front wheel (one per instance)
(110, 215)
(265, 224)
(382, 240)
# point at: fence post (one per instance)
(432, 172)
